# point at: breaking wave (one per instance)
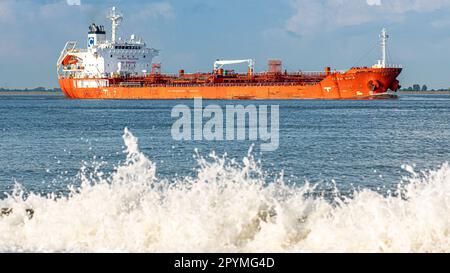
(226, 207)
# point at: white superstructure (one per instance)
(103, 58)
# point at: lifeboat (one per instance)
(69, 60)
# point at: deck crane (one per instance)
(219, 64)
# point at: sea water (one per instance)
(349, 176)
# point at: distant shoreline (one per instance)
(29, 93)
(447, 92)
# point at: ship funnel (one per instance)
(96, 36)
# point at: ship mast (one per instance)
(384, 37)
(116, 18)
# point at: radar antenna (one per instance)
(116, 17)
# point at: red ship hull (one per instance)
(357, 83)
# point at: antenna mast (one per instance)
(384, 37)
(116, 18)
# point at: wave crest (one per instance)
(227, 207)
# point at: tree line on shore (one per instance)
(37, 89)
(422, 88)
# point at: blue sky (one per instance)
(305, 34)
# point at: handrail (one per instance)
(143, 85)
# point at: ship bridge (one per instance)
(106, 58)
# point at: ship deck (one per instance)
(232, 79)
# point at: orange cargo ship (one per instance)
(123, 69)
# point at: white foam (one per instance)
(227, 207)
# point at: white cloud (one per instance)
(25, 20)
(312, 16)
(403, 6)
(374, 2)
(74, 2)
(441, 23)
(158, 10)
(7, 13)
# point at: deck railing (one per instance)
(144, 85)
